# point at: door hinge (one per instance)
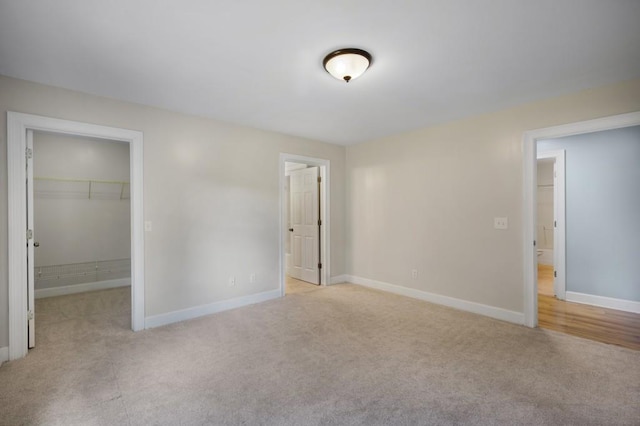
(555, 224)
(534, 243)
(29, 153)
(29, 315)
(29, 234)
(319, 265)
(319, 222)
(555, 274)
(319, 179)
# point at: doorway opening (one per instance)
(531, 237)
(551, 223)
(305, 223)
(20, 128)
(80, 217)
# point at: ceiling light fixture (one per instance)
(347, 64)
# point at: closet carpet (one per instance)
(342, 355)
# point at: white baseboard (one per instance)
(604, 302)
(4, 354)
(338, 279)
(463, 305)
(212, 308)
(81, 288)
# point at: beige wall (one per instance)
(423, 200)
(211, 191)
(426, 200)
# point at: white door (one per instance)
(555, 226)
(30, 244)
(305, 225)
(559, 228)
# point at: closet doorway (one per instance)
(81, 229)
(21, 244)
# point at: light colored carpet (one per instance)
(342, 355)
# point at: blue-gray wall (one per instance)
(603, 211)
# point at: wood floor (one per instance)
(590, 322)
(293, 286)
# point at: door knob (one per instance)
(36, 244)
(290, 229)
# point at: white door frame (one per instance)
(325, 216)
(17, 126)
(559, 217)
(529, 156)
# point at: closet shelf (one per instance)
(55, 187)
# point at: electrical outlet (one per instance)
(414, 274)
(232, 281)
(500, 222)
(252, 278)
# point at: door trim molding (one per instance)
(17, 126)
(529, 156)
(325, 199)
(560, 229)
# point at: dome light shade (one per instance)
(347, 64)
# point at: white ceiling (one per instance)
(259, 63)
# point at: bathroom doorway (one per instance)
(550, 226)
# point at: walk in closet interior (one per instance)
(81, 202)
